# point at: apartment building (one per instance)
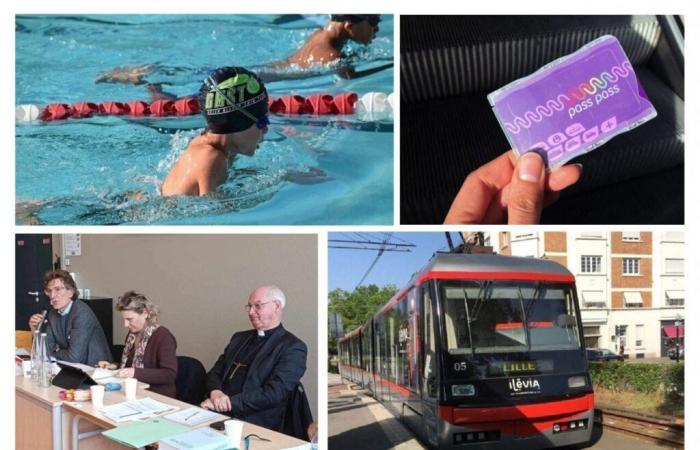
(630, 285)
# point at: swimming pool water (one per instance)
(106, 170)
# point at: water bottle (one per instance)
(35, 357)
(45, 363)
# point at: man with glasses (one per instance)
(259, 368)
(233, 101)
(73, 333)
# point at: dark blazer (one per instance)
(79, 339)
(159, 363)
(274, 373)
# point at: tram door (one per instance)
(413, 411)
(429, 380)
(379, 359)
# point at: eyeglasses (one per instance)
(55, 290)
(257, 306)
(261, 122)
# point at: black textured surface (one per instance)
(469, 54)
(445, 138)
(653, 199)
(421, 32)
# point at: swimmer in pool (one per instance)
(323, 47)
(233, 101)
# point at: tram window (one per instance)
(391, 343)
(551, 317)
(429, 373)
(498, 326)
(402, 334)
(496, 317)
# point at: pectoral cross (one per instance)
(237, 366)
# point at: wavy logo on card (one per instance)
(571, 96)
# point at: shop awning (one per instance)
(670, 331)
(632, 298)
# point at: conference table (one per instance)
(45, 422)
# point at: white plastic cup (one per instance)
(27, 368)
(234, 431)
(130, 388)
(97, 393)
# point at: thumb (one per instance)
(526, 190)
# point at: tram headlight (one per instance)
(463, 390)
(577, 382)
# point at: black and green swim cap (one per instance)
(237, 85)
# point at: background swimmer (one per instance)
(323, 47)
(234, 103)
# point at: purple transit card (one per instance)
(573, 104)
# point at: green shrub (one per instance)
(642, 377)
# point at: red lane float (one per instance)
(316, 104)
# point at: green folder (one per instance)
(139, 434)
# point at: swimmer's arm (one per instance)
(350, 73)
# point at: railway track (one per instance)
(659, 430)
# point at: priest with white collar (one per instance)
(259, 368)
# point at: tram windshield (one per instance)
(509, 316)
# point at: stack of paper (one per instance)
(135, 409)
(98, 373)
(192, 416)
(140, 434)
(200, 439)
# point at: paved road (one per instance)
(357, 421)
(612, 440)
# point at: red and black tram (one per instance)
(479, 351)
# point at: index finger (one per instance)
(479, 188)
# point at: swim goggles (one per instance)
(260, 122)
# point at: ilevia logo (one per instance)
(576, 98)
(524, 386)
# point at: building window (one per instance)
(591, 336)
(593, 299)
(639, 336)
(673, 236)
(630, 266)
(675, 298)
(622, 336)
(675, 265)
(590, 264)
(631, 236)
(633, 299)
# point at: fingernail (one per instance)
(530, 167)
(580, 166)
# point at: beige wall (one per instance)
(202, 282)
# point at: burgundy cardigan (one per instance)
(159, 363)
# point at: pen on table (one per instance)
(130, 414)
(191, 416)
